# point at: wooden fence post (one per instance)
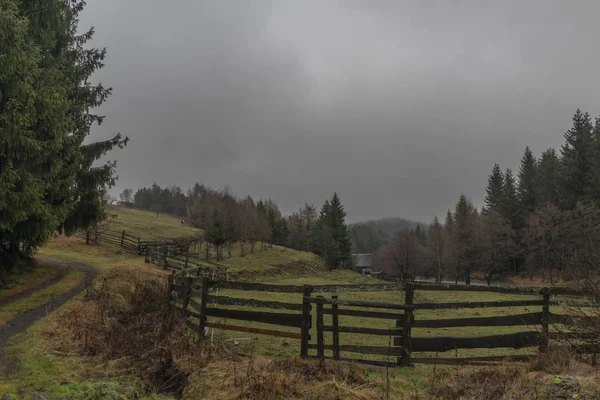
(187, 292)
(320, 324)
(336, 329)
(545, 319)
(306, 321)
(409, 298)
(203, 300)
(122, 238)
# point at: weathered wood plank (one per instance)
(259, 331)
(335, 321)
(232, 301)
(479, 304)
(263, 287)
(379, 350)
(320, 330)
(293, 320)
(359, 303)
(365, 313)
(504, 320)
(366, 331)
(447, 343)
(306, 321)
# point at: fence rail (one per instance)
(165, 254)
(198, 297)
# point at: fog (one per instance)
(398, 106)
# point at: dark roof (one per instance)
(363, 260)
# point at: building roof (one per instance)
(363, 260)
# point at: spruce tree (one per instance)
(47, 177)
(528, 181)
(510, 207)
(593, 190)
(340, 230)
(493, 191)
(330, 237)
(576, 160)
(464, 237)
(548, 169)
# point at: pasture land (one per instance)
(147, 225)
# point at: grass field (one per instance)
(147, 225)
(72, 376)
(287, 347)
(24, 280)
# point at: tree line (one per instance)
(226, 219)
(540, 221)
(48, 180)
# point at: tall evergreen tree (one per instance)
(593, 190)
(330, 236)
(464, 237)
(340, 230)
(493, 191)
(510, 207)
(548, 169)
(528, 181)
(576, 160)
(47, 177)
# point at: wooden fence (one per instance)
(166, 254)
(197, 296)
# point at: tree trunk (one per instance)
(252, 243)
(468, 278)
(229, 246)
(488, 278)
(218, 253)
(243, 249)
(207, 251)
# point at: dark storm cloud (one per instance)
(398, 106)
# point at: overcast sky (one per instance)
(399, 106)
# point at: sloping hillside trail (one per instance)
(8, 362)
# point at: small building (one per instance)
(363, 263)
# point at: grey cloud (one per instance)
(399, 106)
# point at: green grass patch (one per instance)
(59, 376)
(147, 225)
(284, 347)
(21, 281)
(103, 257)
(14, 309)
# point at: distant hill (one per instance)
(368, 236)
(390, 226)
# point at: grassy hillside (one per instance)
(147, 225)
(46, 367)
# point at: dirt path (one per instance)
(25, 320)
(61, 271)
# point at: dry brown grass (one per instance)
(257, 378)
(124, 327)
(125, 324)
(541, 379)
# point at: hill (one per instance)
(390, 226)
(368, 236)
(146, 224)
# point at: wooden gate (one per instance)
(400, 337)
